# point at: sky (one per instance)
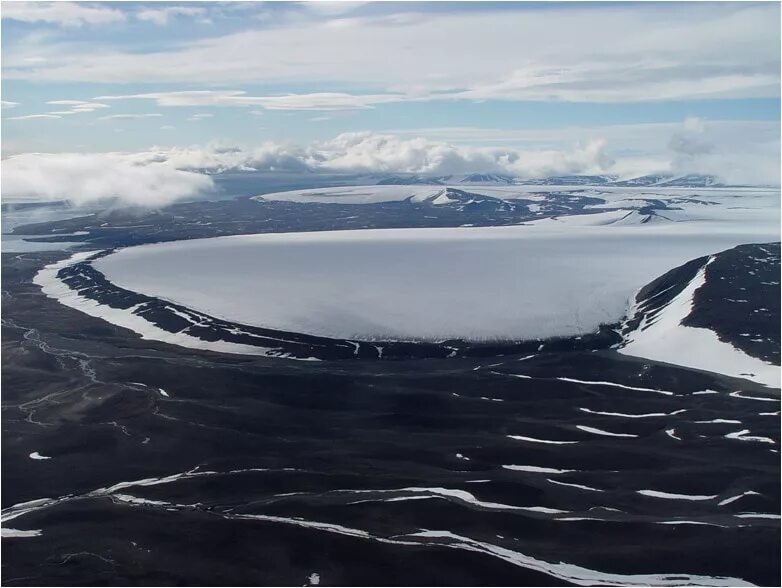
(528, 88)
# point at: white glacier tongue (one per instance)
(540, 280)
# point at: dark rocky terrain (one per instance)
(235, 213)
(177, 466)
(192, 220)
(133, 462)
(740, 300)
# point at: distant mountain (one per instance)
(477, 178)
(649, 180)
(468, 201)
(487, 179)
(643, 216)
(571, 180)
(660, 180)
(692, 180)
(404, 180)
(685, 181)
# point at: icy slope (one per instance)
(661, 322)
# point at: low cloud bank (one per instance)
(736, 158)
(369, 152)
(83, 178)
(161, 176)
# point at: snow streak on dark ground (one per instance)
(133, 462)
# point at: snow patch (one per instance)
(634, 416)
(596, 431)
(7, 533)
(737, 497)
(671, 496)
(534, 440)
(536, 469)
(579, 486)
(744, 435)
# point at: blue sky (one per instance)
(521, 75)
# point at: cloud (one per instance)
(200, 116)
(371, 152)
(8, 104)
(310, 101)
(68, 14)
(748, 156)
(329, 8)
(87, 178)
(35, 116)
(745, 152)
(129, 116)
(79, 105)
(216, 158)
(640, 82)
(735, 151)
(589, 158)
(669, 51)
(160, 16)
(690, 141)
